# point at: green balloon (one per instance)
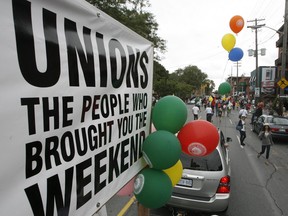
(170, 114)
(224, 88)
(152, 188)
(161, 149)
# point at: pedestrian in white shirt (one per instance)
(243, 112)
(209, 113)
(195, 111)
(242, 130)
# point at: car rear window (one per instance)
(211, 162)
(281, 121)
(269, 119)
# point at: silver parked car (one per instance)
(278, 125)
(205, 182)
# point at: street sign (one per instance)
(283, 83)
(257, 92)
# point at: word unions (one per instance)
(131, 70)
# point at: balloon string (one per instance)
(224, 70)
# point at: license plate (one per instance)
(185, 182)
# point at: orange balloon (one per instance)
(236, 23)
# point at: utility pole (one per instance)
(255, 27)
(237, 81)
(231, 82)
(238, 64)
(284, 48)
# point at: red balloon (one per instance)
(236, 23)
(198, 138)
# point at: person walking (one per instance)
(258, 112)
(224, 109)
(219, 114)
(242, 130)
(229, 108)
(266, 137)
(209, 113)
(213, 102)
(195, 111)
(243, 112)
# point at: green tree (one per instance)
(193, 76)
(190, 75)
(177, 75)
(182, 82)
(159, 72)
(165, 87)
(210, 85)
(183, 90)
(160, 77)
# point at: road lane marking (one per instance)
(238, 138)
(126, 206)
(239, 141)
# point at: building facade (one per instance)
(265, 82)
(240, 86)
(278, 62)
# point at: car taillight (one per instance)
(274, 129)
(224, 185)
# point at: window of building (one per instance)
(268, 75)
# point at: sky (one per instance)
(193, 30)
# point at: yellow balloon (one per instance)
(210, 99)
(228, 41)
(175, 172)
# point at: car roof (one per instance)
(274, 116)
(271, 117)
(265, 115)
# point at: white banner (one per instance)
(76, 94)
